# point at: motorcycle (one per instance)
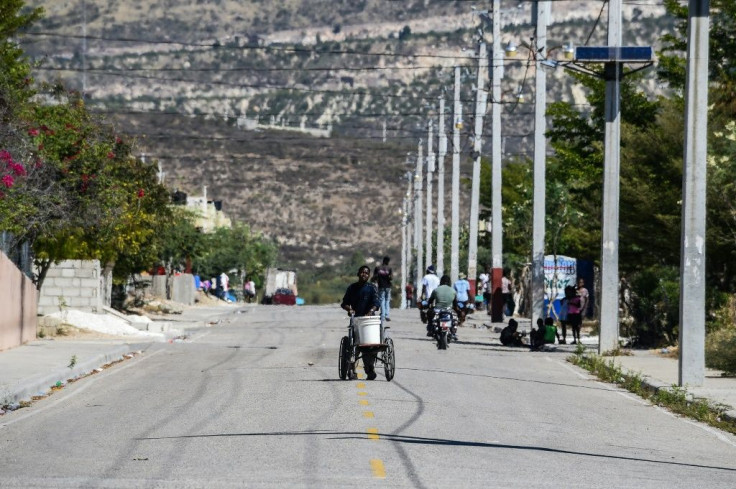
(423, 309)
(463, 309)
(444, 327)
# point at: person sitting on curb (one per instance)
(536, 337)
(510, 336)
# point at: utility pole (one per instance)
(418, 221)
(441, 152)
(430, 175)
(84, 49)
(692, 254)
(611, 170)
(409, 201)
(496, 218)
(481, 95)
(405, 253)
(457, 123)
(541, 18)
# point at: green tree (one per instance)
(237, 250)
(109, 202)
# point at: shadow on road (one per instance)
(348, 435)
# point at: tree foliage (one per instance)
(71, 188)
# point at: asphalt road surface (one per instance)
(255, 401)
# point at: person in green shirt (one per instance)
(443, 297)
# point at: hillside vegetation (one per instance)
(182, 76)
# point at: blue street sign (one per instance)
(606, 54)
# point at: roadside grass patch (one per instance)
(674, 398)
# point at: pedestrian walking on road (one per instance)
(409, 295)
(507, 291)
(249, 290)
(484, 279)
(382, 277)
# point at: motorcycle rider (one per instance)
(443, 297)
(429, 282)
(462, 287)
(361, 299)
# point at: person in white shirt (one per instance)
(484, 288)
(430, 282)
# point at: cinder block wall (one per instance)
(77, 282)
(18, 301)
(181, 288)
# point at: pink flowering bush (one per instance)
(10, 169)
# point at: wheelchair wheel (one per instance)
(343, 364)
(389, 360)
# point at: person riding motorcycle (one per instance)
(443, 297)
(429, 282)
(464, 304)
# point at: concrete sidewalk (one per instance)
(34, 368)
(658, 371)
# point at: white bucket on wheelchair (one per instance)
(368, 329)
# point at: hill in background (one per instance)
(187, 78)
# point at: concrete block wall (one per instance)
(78, 283)
(18, 302)
(181, 288)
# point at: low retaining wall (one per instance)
(18, 303)
(75, 284)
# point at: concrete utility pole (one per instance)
(496, 218)
(692, 254)
(418, 231)
(430, 176)
(541, 19)
(84, 49)
(409, 200)
(441, 152)
(457, 118)
(405, 253)
(481, 95)
(611, 170)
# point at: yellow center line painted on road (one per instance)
(363, 402)
(360, 385)
(362, 393)
(372, 433)
(379, 471)
(368, 414)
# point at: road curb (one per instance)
(41, 385)
(654, 385)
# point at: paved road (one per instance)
(254, 401)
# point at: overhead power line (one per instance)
(271, 47)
